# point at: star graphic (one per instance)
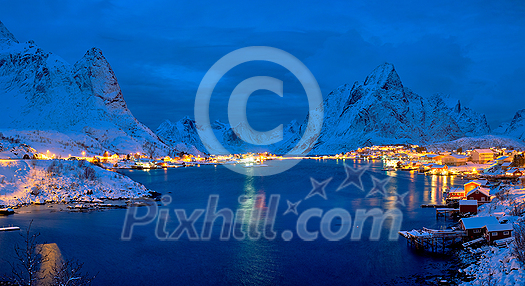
(401, 198)
(379, 186)
(353, 176)
(318, 188)
(292, 207)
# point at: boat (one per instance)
(6, 211)
(9, 228)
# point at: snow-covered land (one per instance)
(30, 181)
(50, 104)
(499, 266)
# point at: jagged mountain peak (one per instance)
(384, 77)
(94, 54)
(165, 124)
(5, 34)
(514, 128)
(93, 72)
(519, 114)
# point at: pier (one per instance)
(433, 239)
(445, 212)
(434, 205)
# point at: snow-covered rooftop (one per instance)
(483, 151)
(485, 191)
(478, 222)
(499, 227)
(468, 202)
(478, 182)
(457, 156)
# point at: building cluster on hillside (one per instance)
(470, 163)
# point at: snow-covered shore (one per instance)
(30, 181)
(499, 266)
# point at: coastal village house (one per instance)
(438, 169)
(474, 225)
(432, 158)
(463, 193)
(482, 156)
(505, 166)
(454, 160)
(497, 231)
(456, 194)
(514, 172)
(474, 184)
(480, 194)
(468, 206)
(503, 159)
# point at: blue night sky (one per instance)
(160, 50)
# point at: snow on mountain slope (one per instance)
(382, 111)
(470, 122)
(43, 93)
(485, 141)
(514, 128)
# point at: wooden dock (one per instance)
(445, 212)
(434, 206)
(433, 239)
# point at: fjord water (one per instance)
(95, 237)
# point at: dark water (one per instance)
(95, 237)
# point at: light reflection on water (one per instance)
(94, 238)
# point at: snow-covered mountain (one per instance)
(383, 111)
(48, 103)
(184, 136)
(470, 122)
(378, 111)
(514, 128)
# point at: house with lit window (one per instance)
(480, 194)
(482, 156)
(470, 185)
(514, 172)
(454, 160)
(473, 226)
(493, 232)
(456, 194)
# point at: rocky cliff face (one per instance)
(41, 91)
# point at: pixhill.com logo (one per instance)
(256, 222)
